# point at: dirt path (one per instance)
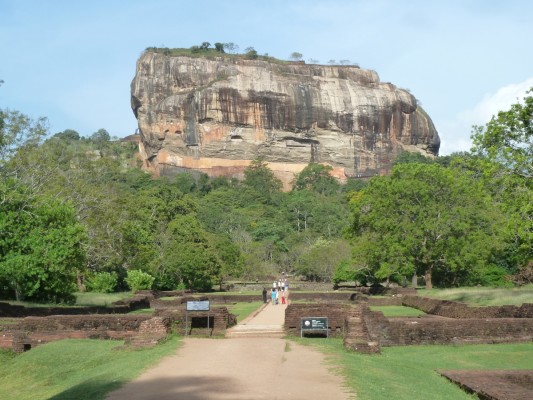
(248, 368)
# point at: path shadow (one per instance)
(183, 388)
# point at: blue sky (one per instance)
(73, 61)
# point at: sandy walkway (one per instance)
(248, 368)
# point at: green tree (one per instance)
(230, 257)
(41, 246)
(406, 157)
(425, 219)
(219, 47)
(504, 150)
(295, 56)
(322, 259)
(67, 134)
(250, 53)
(139, 280)
(317, 178)
(101, 135)
(508, 138)
(231, 47)
(19, 131)
(258, 177)
(188, 257)
(103, 282)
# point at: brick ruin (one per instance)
(348, 313)
(22, 328)
(445, 322)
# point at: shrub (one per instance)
(103, 282)
(139, 280)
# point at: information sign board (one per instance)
(198, 305)
(310, 324)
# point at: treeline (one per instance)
(79, 214)
(76, 214)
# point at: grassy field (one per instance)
(84, 299)
(242, 310)
(409, 373)
(74, 369)
(398, 311)
(480, 296)
(100, 299)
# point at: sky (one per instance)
(73, 61)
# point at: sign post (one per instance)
(314, 324)
(200, 305)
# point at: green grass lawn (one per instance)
(74, 369)
(397, 311)
(100, 299)
(242, 310)
(480, 296)
(408, 372)
(84, 299)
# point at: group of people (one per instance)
(278, 292)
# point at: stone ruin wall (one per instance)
(25, 333)
(363, 330)
(454, 309)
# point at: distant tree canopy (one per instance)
(101, 135)
(69, 216)
(316, 177)
(295, 56)
(68, 134)
(261, 179)
(250, 53)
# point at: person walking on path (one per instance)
(283, 297)
(264, 295)
(273, 297)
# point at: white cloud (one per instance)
(455, 133)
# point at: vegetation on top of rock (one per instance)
(231, 51)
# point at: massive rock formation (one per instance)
(215, 115)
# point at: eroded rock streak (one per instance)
(216, 115)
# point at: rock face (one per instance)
(216, 115)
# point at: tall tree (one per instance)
(508, 138)
(317, 178)
(261, 179)
(41, 247)
(425, 219)
(504, 147)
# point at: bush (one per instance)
(139, 280)
(103, 282)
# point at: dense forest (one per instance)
(77, 213)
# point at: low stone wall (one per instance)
(336, 314)
(122, 307)
(424, 331)
(383, 301)
(220, 320)
(33, 331)
(376, 324)
(218, 299)
(453, 309)
(293, 294)
(385, 291)
(324, 297)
